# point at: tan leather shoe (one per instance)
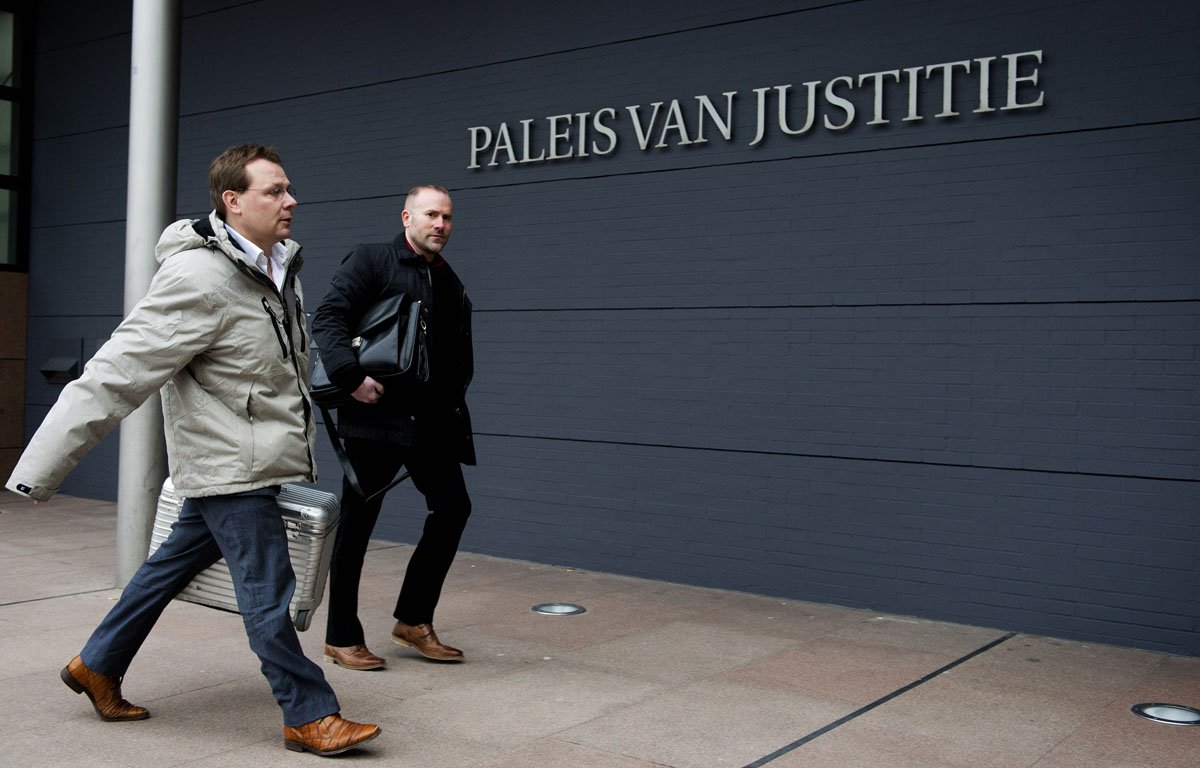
(425, 640)
(354, 657)
(103, 690)
(331, 735)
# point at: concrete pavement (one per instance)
(653, 674)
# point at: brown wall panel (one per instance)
(13, 291)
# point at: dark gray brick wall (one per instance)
(946, 368)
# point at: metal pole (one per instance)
(153, 149)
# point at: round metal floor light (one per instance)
(1172, 714)
(558, 609)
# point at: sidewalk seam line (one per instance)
(883, 700)
(56, 597)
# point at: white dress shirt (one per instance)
(276, 257)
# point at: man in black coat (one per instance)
(421, 426)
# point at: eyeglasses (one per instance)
(275, 192)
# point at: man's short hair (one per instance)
(417, 190)
(228, 171)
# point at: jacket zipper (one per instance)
(275, 325)
(299, 326)
(262, 278)
(301, 376)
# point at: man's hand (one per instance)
(370, 391)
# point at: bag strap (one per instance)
(347, 467)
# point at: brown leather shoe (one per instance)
(331, 735)
(425, 640)
(103, 690)
(354, 657)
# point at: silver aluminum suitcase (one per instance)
(310, 517)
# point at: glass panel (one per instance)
(8, 232)
(6, 135)
(9, 113)
(6, 49)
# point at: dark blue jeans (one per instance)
(248, 531)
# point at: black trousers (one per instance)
(436, 473)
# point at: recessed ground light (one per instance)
(1172, 714)
(558, 609)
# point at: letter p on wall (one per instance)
(481, 139)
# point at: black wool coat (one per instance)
(410, 413)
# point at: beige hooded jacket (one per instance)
(230, 355)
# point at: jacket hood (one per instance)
(182, 236)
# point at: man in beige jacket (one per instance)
(222, 333)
